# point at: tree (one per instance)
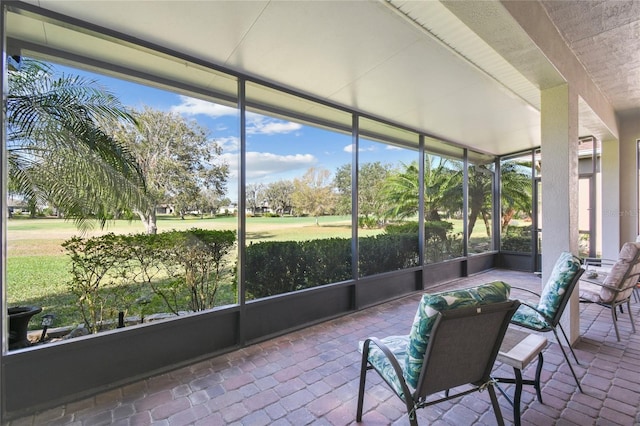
(516, 191)
(480, 184)
(254, 194)
(278, 195)
(177, 158)
(371, 181)
(58, 151)
(314, 193)
(401, 191)
(442, 192)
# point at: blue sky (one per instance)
(276, 149)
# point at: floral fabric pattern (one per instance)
(527, 317)
(563, 273)
(398, 346)
(426, 315)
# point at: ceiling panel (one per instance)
(364, 55)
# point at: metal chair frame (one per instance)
(462, 349)
(554, 322)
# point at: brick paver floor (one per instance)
(311, 377)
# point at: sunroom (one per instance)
(411, 135)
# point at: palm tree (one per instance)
(443, 189)
(516, 190)
(480, 190)
(57, 151)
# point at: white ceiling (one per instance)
(411, 62)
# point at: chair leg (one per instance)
(633, 325)
(412, 412)
(363, 378)
(614, 316)
(566, 357)
(568, 343)
(496, 406)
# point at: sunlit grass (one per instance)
(38, 268)
(42, 281)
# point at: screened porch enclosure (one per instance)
(334, 210)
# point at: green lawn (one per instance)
(38, 268)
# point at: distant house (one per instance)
(165, 209)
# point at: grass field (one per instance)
(38, 268)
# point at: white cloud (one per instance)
(193, 106)
(259, 124)
(256, 123)
(349, 148)
(272, 167)
(263, 164)
(229, 144)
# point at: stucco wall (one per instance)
(628, 212)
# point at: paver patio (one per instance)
(311, 377)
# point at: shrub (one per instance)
(112, 273)
(277, 267)
(194, 261)
(517, 239)
(387, 252)
(368, 222)
(92, 278)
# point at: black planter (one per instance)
(19, 317)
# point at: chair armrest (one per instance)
(599, 284)
(632, 284)
(392, 359)
(525, 289)
(598, 261)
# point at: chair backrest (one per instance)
(427, 314)
(557, 291)
(623, 275)
(463, 346)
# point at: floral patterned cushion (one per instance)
(564, 271)
(398, 346)
(527, 317)
(426, 315)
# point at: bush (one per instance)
(92, 263)
(277, 267)
(402, 228)
(388, 252)
(440, 242)
(113, 273)
(368, 222)
(517, 239)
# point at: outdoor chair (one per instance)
(546, 315)
(613, 288)
(454, 341)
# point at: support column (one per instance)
(610, 206)
(559, 125)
